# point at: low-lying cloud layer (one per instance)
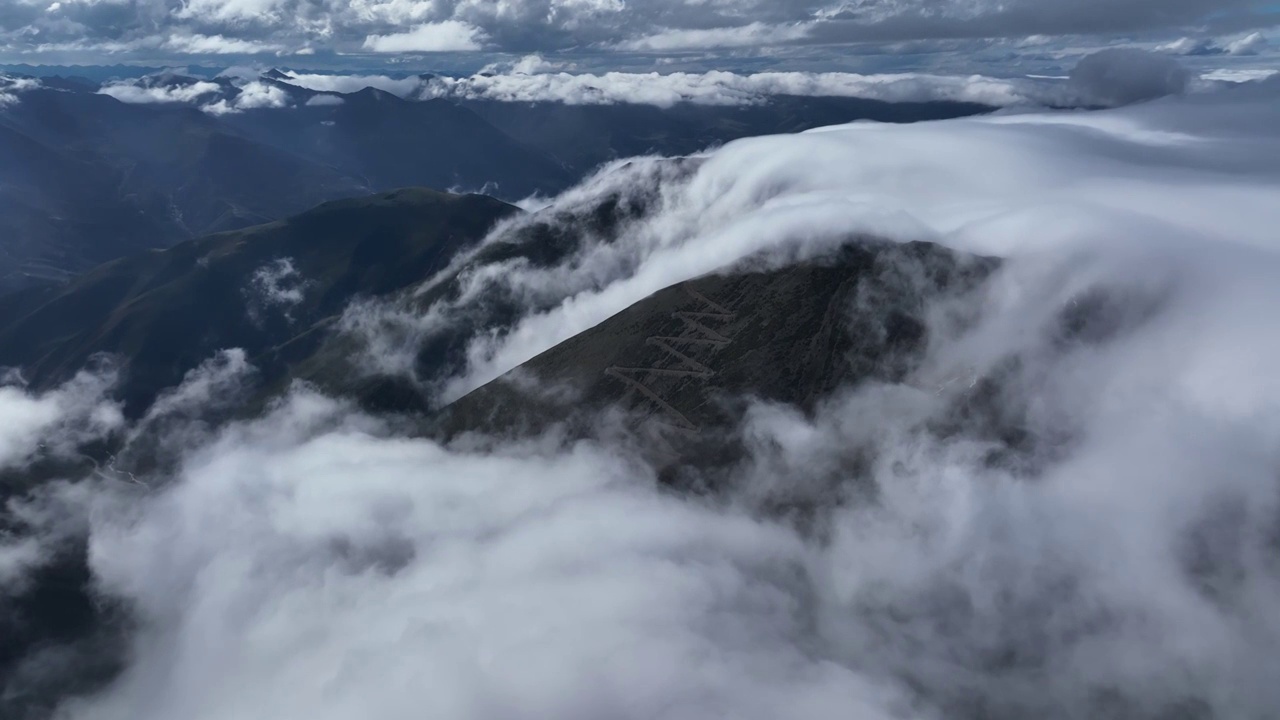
(141, 92)
(215, 98)
(1107, 78)
(666, 90)
(1115, 557)
(728, 88)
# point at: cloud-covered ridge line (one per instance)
(711, 88)
(222, 96)
(1109, 77)
(715, 88)
(725, 200)
(141, 92)
(728, 88)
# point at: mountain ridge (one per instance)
(166, 311)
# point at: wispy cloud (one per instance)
(133, 92)
(54, 423)
(11, 88)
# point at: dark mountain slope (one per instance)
(335, 361)
(164, 312)
(391, 142)
(681, 361)
(583, 136)
(62, 212)
(200, 167)
(86, 178)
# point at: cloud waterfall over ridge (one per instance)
(1130, 182)
(1071, 509)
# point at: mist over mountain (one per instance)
(971, 418)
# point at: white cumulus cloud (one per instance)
(251, 96)
(133, 92)
(218, 45)
(446, 36)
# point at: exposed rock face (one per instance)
(680, 363)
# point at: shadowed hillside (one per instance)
(165, 311)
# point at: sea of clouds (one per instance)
(316, 562)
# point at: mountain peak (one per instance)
(373, 94)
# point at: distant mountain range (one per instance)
(583, 136)
(86, 177)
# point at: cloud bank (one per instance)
(728, 88)
(1110, 77)
(130, 91)
(716, 209)
(446, 36)
(719, 88)
(251, 96)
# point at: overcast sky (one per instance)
(383, 30)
